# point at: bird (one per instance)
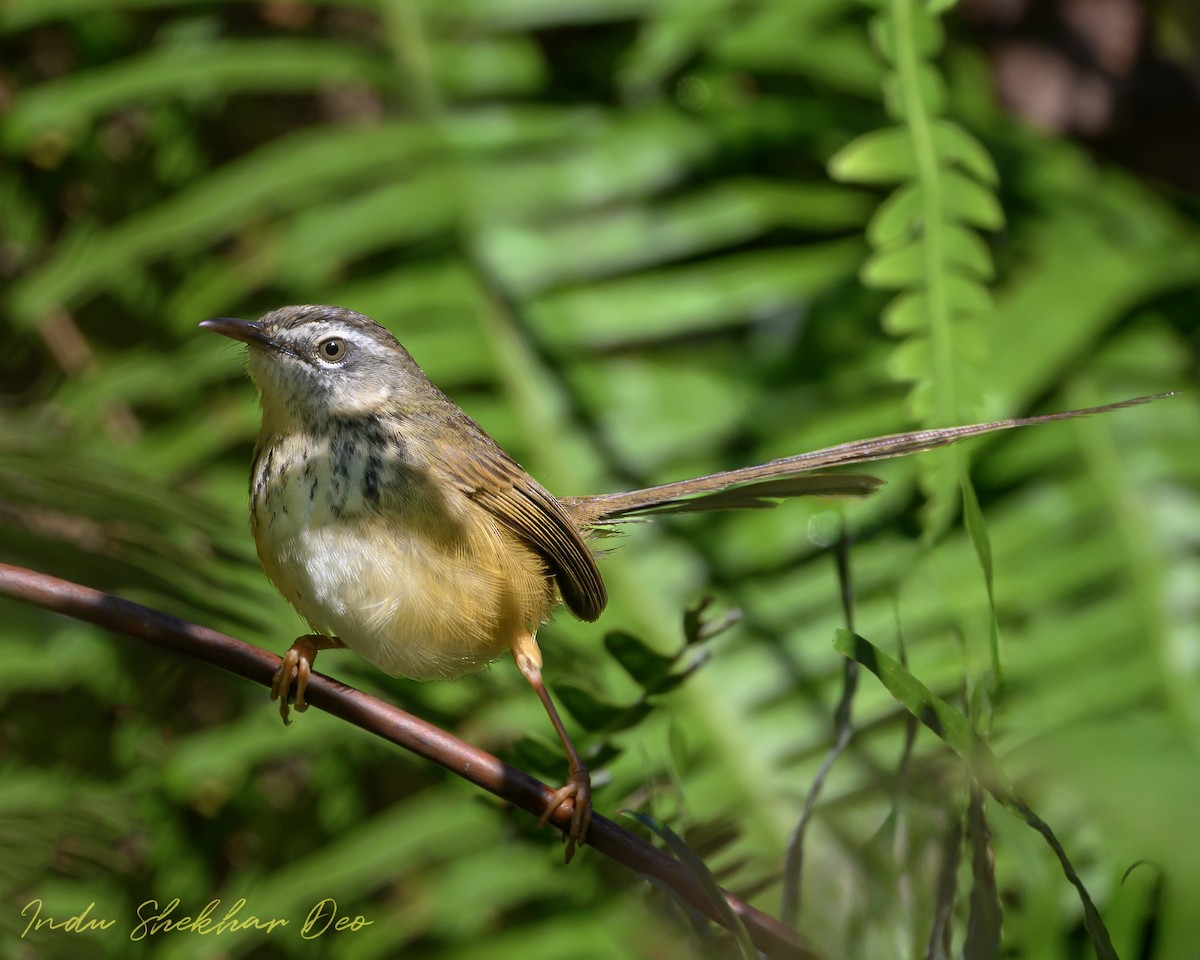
(398, 528)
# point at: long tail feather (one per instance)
(762, 485)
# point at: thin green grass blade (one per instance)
(955, 730)
(704, 877)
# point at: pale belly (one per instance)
(412, 605)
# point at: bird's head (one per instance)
(311, 362)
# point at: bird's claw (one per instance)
(296, 669)
(577, 789)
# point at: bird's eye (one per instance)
(331, 350)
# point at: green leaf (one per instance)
(968, 200)
(900, 217)
(648, 667)
(703, 876)
(985, 924)
(926, 37)
(909, 312)
(963, 199)
(734, 288)
(895, 268)
(540, 757)
(699, 625)
(930, 93)
(290, 172)
(955, 730)
(949, 724)
(977, 528)
(963, 250)
(885, 156)
(204, 72)
(881, 156)
(904, 265)
(594, 713)
(321, 239)
(597, 244)
(955, 145)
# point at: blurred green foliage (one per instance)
(650, 186)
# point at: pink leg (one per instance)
(578, 787)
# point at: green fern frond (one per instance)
(924, 237)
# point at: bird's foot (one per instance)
(577, 789)
(296, 669)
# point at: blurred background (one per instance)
(612, 231)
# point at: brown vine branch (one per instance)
(393, 724)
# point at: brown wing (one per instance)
(495, 481)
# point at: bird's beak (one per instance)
(248, 331)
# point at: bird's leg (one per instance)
(578, 787)
(297, 667)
